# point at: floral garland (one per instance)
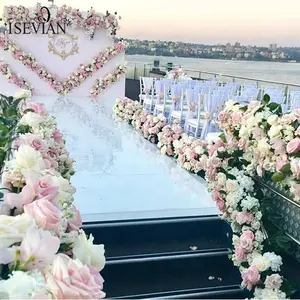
(89, 21)
(13, 77)
(75, 79)
(40, 227)
(227, 165)
(102, 83)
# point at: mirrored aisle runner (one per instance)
(119, 174)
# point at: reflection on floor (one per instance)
(119, 174)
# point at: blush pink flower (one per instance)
(244, 218)
(46, 215)
(57, 136)
(37, 107)
(251, 277)
(33, 141)
(221, 205)
(240, 253)
(35, 188)
(293, 146)
(280, 164)
(70, 279)
(246, 240)
(74, 223)
(38, 248)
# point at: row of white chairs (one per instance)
(243, 93)
(195, 104)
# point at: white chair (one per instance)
(163, 104)
(211, 104)
(147, 93)
(177, 112)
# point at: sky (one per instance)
(253, 22)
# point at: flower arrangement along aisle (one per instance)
(258, 140)
(44, 253)
(177, 74)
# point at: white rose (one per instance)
(23, 94)
(274, 131)
(163, 150)
(222, 179)
(23, 285)
(231, 200)
(243, 133)
(88, 253)
(31, 119)
(28, 159)
(155, 119)
(232, 185)
(13, 229)
(272, 119)
(263, 146)
(64, 184)
(261, 263)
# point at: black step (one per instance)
(150, 237)
(199, 275)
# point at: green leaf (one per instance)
(278, 176)
(4, 120)
(266, 99)
(223, 138)
(17, 101)
(10, 99)
(2, 156)
(1, 195)
(229, 176)
(11, 111)
(3, 130)
(28, 110)
(286, 169)
(23, 129)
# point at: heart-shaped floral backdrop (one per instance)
(99, 59)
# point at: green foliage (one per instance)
(266, 99)
(223, 138)
(278, 176)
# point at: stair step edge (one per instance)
(138, 222)
(169, 256)
(186, 294)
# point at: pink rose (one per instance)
(46, 214)
(57, 136)
(293, 146)
(240, 253)
(37, 107)
(236, 117)
(280, 164)
(221, 205)
(170, 152)
(35, 188)
(33, 141)
(74, 223)
(244, 218)
(250, 277)
(223, 116)
(70, 279)
(38, 248)
(246, 240)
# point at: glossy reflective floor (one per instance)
(119, 174)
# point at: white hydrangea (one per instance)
(249, 202)
(23, 285)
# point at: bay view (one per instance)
(275, 71)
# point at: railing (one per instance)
(138, 69)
